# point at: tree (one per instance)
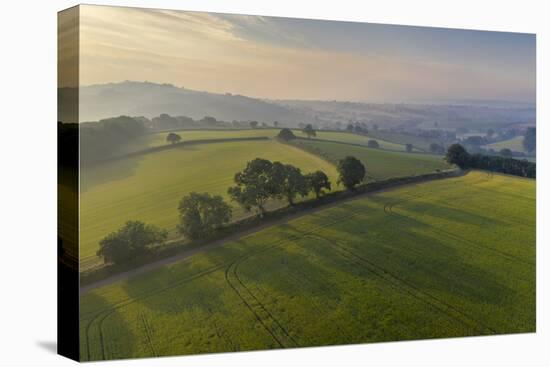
(456, 154)
(209, 121)
(254, 185)
(253, 124)
(436, 148)
(409, 147)
(165, 121)
(505, 152)
(202, 213)
(375, 127)
(358, 129)
(133, 239)
(373, 144)
(530, 140)
(475, 141)
(173, 138)
(309, 131)
(286, 134)
(490, 133)
(275, 123)
(289, 181)
(317, 181)
(351, 172)
(349, 128)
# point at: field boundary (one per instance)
(366, 146)
(161, 148)
(254, 224)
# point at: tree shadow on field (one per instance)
(93, 175)
(196, 282)
(428, 261)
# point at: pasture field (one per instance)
(359, 139)
(149, 187)
(418, 142)
(380, 164)
(159, 139)
(515, 145)
(447, 258)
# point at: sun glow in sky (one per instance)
(284, 58)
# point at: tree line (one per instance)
(458, 155)
(202, 214)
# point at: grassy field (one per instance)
(359, 139)
(447, 258)
(515, 144)
(380, 164)
(149, 187)
(400, 138)
(158, 139)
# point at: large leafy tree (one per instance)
(318, 181)
(309, 131)
(132, 240)
(530, 140)
(505, 152)
(456, 154)
(286, 134)
(173, 138)
(289, 182)
(351, 171)
(373, 144)
(254, 185)
(202, 213)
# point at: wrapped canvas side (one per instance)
(68, 170)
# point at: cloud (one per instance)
(275, 58)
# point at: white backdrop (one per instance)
(28, 182)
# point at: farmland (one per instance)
(515, 145)
(447, 258)
(380, 164)
(159, 139)
(148, 187)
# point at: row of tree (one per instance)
(456, 154)
(201, 214)
(99, 140)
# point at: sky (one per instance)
(284, 58)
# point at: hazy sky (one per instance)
(303, 59)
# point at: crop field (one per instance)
(447, 258)
(149, 187)
(380, 164)
(514, 144)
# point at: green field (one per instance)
(447, 258)
(159, 139)
(149, 187)
(358, 139)
(515, 145)
(380, 164)
(401, 138)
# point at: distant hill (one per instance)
(150, 99)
